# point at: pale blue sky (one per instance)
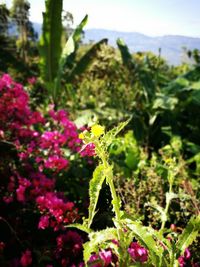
(151, 17)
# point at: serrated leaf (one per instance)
(79, 227)
(97, 238)
(94, 190)
(159, 209)
(189, 234)
(110, 135)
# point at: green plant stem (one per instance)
(115, 200)
(168, 201)
(109, 178)
(108, 172)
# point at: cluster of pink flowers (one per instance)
(16, 117)
(40, 144)
(39, 150)
(56, 212)
(69, 243)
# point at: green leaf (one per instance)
(94, 190)
(110, 135)
(189, 234)
(79, 29)
(79, 226)
(50, 41)
(96, 239)
(126, 55)
(143, 74)
(85, 61)
(69, 49)
(165, 102)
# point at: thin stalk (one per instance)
(168, 197)
(115, 204)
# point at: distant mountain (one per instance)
(171, 45)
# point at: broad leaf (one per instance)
(144, 236)
(50, 42)
(85, 60)
(189, 234)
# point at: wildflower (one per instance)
(97, 130)
(81, 136)
(106, 256)
(103, 259)
(182, 260)
(137, 252)
(32, 80)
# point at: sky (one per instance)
(150, 17)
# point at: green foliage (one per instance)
(54, 62)
(84, 62)
(20, 18)
(189, 235)
(50, 42)
(4, 19)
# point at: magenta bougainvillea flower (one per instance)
(26, 258)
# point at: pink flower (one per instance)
(21, 193)
(32, 80)
(59, 212)
(88, 150)
(103, 259)
(187, 254)
(183, 259)
(44, 222)
(56, 162)
(106, 256)
(26, 258)
(137, 252)
(94, 258)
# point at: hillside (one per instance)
(171, 45)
